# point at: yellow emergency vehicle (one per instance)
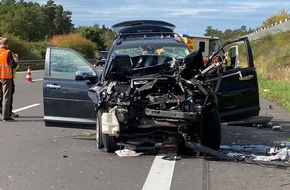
(207, 44)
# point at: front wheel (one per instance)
(110, 143)
(211, 130)
(104, 141)
(99, 138)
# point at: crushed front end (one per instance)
(157, 102)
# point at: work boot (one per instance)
(13, 115)
(8, 119)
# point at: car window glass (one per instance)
(65, 64)
(238, 55)
(235, 56)
(177, 52)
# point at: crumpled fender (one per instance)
(95, 94)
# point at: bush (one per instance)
(75, 41)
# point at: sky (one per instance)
(189, 16)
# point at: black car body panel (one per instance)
(238, 96)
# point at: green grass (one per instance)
(277, 91)
(272, 60)
(272, 56)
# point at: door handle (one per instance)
(54, 86)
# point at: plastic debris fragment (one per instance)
(282, 144)
(171, 157)
(127, 153)
(276, 155)
(277, 128)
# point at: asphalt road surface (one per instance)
(35, 157)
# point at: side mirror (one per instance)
(85, 75)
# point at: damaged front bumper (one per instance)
(190, 116)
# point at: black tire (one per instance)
(110, 143)
(211, 130)
(104, 141)
(99, 139)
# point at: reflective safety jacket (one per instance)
(5, 68)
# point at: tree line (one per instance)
(35, 25)
(32, 21)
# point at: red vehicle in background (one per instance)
(101, 58)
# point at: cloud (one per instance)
(188, 15)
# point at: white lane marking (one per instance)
(27, 107)
(160, 174)
(36, 80)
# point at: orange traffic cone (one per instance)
(28, 75)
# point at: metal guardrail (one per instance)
(282, 26)
(37, 64)
(30, 62)
(34, 64)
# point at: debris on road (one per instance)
(208, 151)
(282, 154)
(256, 121)
(245, 149)
(270, 107)
(278, 156)
(282, 144)
(277, 164)
(173, 157)
(277, 128)
(127, 153)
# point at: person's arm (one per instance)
(13, 62)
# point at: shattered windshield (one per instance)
(146, 52)
(176, 52)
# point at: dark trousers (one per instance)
(11, 99)
(6, 93)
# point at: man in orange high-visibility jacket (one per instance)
(7, 63)
(12, 114)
